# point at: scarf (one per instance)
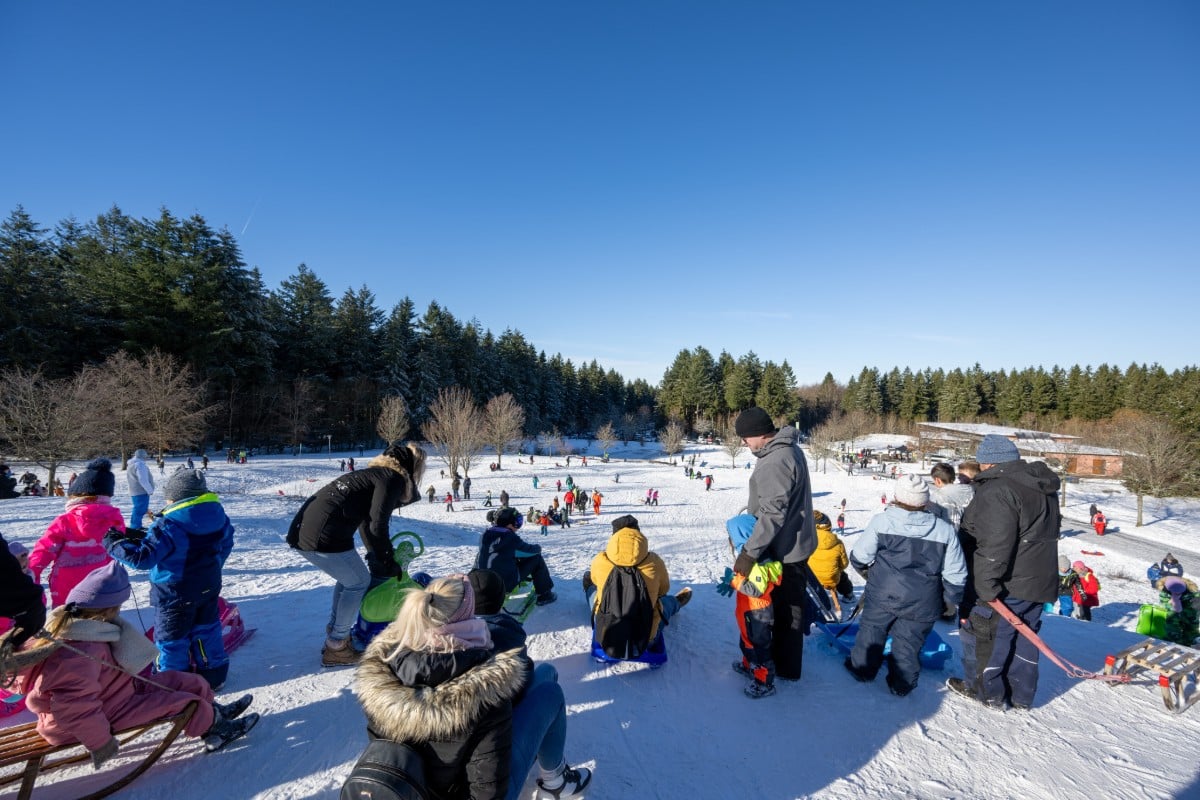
(465, 634)
(130, 648)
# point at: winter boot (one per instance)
(743, 669)
(339, 656)
(224, 731)
(758, 689)
(573, 782)
(547, 598)
(233, 710)
(684, 595)
(587, 583)
(859, 675)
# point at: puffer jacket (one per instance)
(455, 709)
(781, 501)
(953, 498)
(74, 544)
(913, 563)
(628, 548)
(499, 549)
(1010, 531)
(829, 560)
(361, 501)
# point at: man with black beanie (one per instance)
(781, 502)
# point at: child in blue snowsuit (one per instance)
(185, 550)
(1068, 586)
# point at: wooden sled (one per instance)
(1178, 669)
(21, 744)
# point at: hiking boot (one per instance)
(961, 687)
(547, 598)
(684, 595)
(233, 710)
(339, 656)
(758, 689)
(574, 781)
(743, 669)
(224, 731)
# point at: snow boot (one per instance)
(741, 668)
(343, 656)
(858, 674)
(683, 596)
(547, 598)
(233, 710)
(758, 689)
(574, 781)
(224, 731)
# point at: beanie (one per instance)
(821, 520)
(1175, 587)
(97, 479)
(103, 587)
(1079, 567)
(183, 484)
(17, 549)
(740, 528)
(912, 491)
(509, 516)
(627, 521)
(489, 591)
(466, 609)
(754, 422)
(1064, 564)
(996, 450)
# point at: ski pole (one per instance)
(1067, 667)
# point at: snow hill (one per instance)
(685, 731)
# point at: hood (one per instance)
(627, 547)
(140, 454)
(826, 539)
(785, 437)
(915, 523)
(202, 514)
(1033, 474)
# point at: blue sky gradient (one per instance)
(836, 184)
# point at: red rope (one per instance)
(1067, 666)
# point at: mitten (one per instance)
(104, 752)
(112, 538)
(725, 587)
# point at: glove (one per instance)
(744, 564)
(105, 752)
(112, 538)
(725, 587)
(382, 570)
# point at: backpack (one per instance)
(625, 616)
(386, 771)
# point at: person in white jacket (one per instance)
(141, 486)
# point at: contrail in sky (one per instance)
(247, 225)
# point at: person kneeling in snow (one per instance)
(85, 693)
(914, 565)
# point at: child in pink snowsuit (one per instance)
(74, 541)
(85, 696)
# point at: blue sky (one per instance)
(838, 184)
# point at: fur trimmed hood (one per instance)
(433, 713)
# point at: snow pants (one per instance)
(908, 637)
(1001, 663)
(755, 628)
(187, 633)
(534, 568)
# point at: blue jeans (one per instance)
(353, 578)
(141, 504)
(539, 727)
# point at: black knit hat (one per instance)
(97, 479)
(754, 422)
(508, 516)
(627, 521)
(489, 591)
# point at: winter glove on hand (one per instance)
(744, 564)
(105, 752)
(382, 570)
(725, 587)
(113, 538)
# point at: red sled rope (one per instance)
(1067, 667)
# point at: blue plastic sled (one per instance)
(934, 653)
(655, 655)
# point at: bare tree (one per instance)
(703, 425)
(1157, 460)
(393, 419)
(671, 438)
(454, 428)
(824, 439)
(628, 427)
(46, 421)
(551, 441)
(296, 408)
(606, 435)
(112, 385)
(173, 401)
(503, 421)
(731, 443)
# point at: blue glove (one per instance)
(725, 587)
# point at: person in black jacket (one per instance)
(20, 598)
(515, 559)
(323, 532)
(1009, 535)
(434, 680)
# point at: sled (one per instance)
(655, 655)
(1091, 552)
(934, 652)
(520, 601)
(380, 605)
(21, 744)
(1152, 621)
(1178, 669)
(11, 703)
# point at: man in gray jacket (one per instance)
(141, 486)
(781, 501)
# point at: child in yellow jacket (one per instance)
(752, 609)
(829, 561)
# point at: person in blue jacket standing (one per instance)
(185, 550)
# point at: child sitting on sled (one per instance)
(85, 692)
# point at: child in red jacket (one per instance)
(1088, 594)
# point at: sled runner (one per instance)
(21, 744)
(1178, 669)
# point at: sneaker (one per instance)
(224, 731)
(758, 689)
(684, 595)
(741, 668)
(574, 781)
(343, 656)
(233, 710)
(547, 598)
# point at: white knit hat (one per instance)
(912, 491)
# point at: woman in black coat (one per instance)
(324, 527)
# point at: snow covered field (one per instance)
(685, 731)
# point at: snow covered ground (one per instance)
(685, 731)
